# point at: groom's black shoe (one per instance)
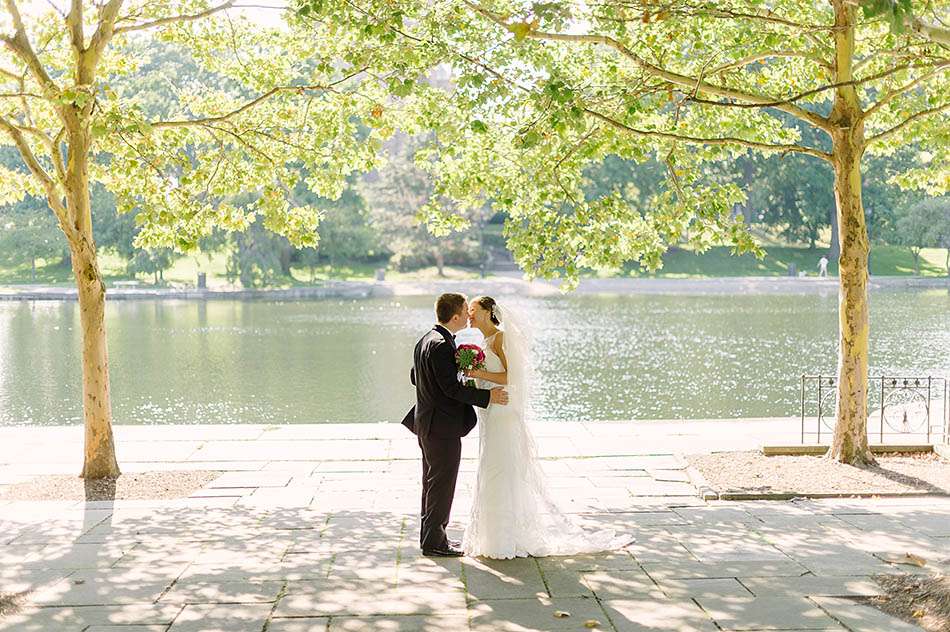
(446, 552)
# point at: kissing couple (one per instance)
(513, 513)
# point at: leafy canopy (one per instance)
(270, 108)
(543, 90)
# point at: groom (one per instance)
(443, 414)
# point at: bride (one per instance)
(512, 511)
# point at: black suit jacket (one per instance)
(443, 404)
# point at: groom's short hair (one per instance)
(448, 305)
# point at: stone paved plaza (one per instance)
(315, 528)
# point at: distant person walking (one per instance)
(823, 266)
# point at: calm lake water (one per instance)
(597, 358)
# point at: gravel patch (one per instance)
(11, 603)
(917, 599)
(137, 486)
(755, 473)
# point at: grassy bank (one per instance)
(678, 263)
(718, 262)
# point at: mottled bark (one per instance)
(834, 251)
(99, 453)
(850, 442)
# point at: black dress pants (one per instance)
(440, 468)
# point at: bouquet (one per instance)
(469, 358)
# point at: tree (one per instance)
(27, 233)
(926, 225)
(261, 122)
(914, 230)
(258, 257)
(399, 196)
(347, 233)
(546, 88)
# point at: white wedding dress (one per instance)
(513, 514)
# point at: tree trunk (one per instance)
(834, 251)
(440, 263)
(100, 461)
(285, 254)
(916, 253)
(850, 442)
(33, 269)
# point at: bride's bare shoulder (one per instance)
(497, 342)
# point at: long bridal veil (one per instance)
(513, 512)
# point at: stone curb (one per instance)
(706, 491)
(727, 495)
(820, 450)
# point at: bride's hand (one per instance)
(472, 373)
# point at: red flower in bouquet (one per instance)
(469, 357)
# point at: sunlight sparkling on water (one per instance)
(597, 357)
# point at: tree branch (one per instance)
(175, 19)
(254, 102)
(675, 78)
(47, 182)
(906, 88)
(9, 74)
(692, 140)
(17, 95)
(830, 86)
(751, 59)
(105, 30)
(74, 25)
(932, 32)
(910, 119)
(19, 44)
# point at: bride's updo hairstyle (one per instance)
(489, 305)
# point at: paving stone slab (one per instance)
(679, 569)
(243, 552)
(77, 618)
(860, 618)
(105, 587)
(766, 613)
(529, 615)
(658, 546)
(360, 597)
(222, 592)
(408, 623)
(289, 498)
(693, 588)
(162, 551)
(304, 624)
(845, 564)
(561, 584)
(657, 615)
(127, 628)
(621, 560)
(727, 515)
(511, 581)
(222, 618)
(16, 579)
(620, 584)
(811, 585)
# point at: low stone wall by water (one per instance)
(500, 285)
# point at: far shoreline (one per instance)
(499, 285)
